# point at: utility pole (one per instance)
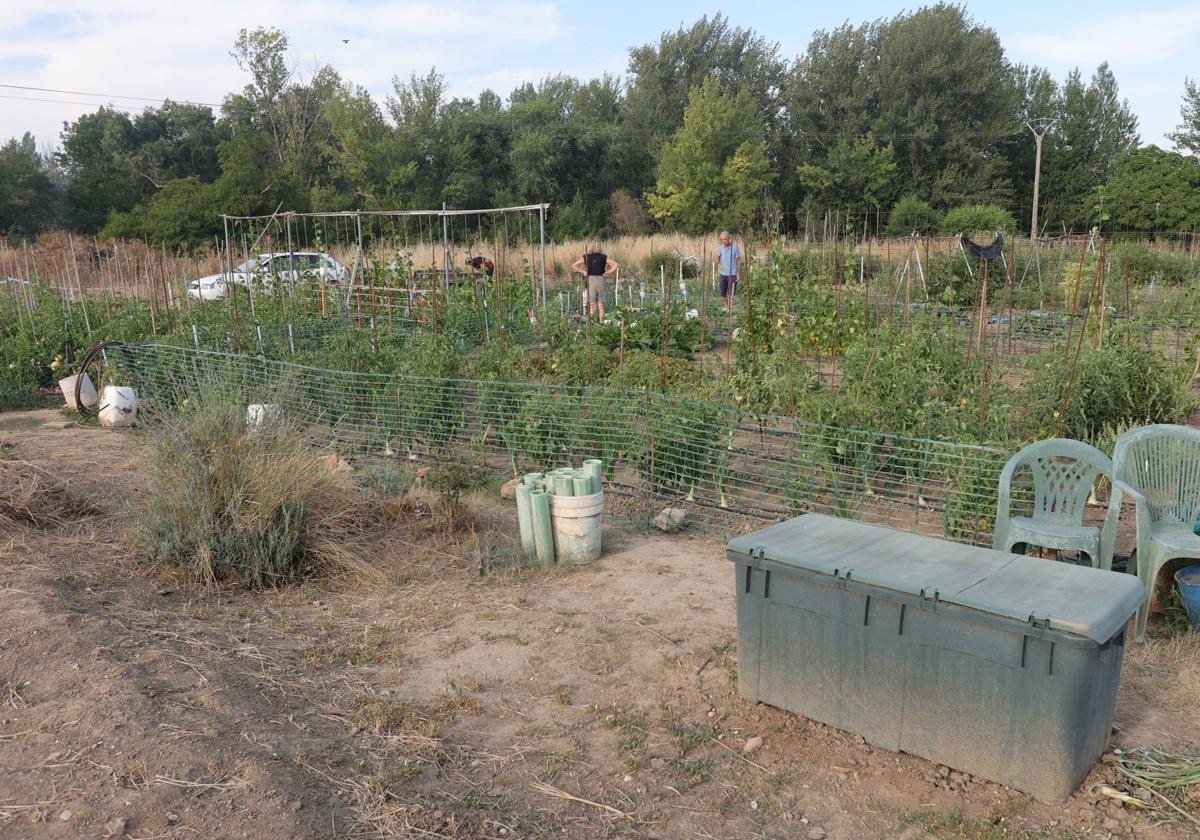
(1043, 124)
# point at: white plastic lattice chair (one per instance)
(1158, 467)
(1064, 472)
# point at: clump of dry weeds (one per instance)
(1166, 672)
(34, 498)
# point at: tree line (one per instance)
(877, 125)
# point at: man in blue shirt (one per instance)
(730, 258)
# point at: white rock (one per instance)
(670, 519)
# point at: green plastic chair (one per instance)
(1064, 472)
(1159, 468)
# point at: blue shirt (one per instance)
(729, 258)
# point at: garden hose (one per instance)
(83, 410)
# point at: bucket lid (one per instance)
(1072, 599)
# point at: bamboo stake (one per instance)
(1074, 304)
(87, 322)
(662, 367)
(1062, 413)
(28, 291)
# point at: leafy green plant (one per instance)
(914, 380)
(977, 218)
(911, 214)
(1142, 264)
(644, 370)
(451, 480)
(644, 331)
(662, 262)
(673, 453)
(1118, 384)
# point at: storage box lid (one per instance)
(1071, 599)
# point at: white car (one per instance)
(262, 272)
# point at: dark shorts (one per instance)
(728, 284)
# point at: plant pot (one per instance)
(1188, 581)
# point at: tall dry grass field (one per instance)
(79, 264)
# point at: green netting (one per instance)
(731, 470)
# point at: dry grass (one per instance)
(263, 507)
(14, 691)
(32, 497)
(406, 739)
(380, 813)
(1166, 673)
(631, 251)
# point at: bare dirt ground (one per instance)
(442, 703)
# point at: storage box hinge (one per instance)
(843, 577)
(1038, 626)
(930, 599)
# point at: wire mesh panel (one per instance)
(730, 470)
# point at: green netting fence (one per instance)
(730, 470)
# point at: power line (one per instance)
(894, 136)
(107, 95)
(62, 101)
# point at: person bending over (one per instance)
(482, 264)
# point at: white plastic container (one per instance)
(118, 406)
(576, 521)
(264, 416)
(87, 391)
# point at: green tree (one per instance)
(365, 163)
(1187, 134)
(289, 111)
(662, 76)
(249, 184)
(479, 166)
(856, 176)
(1151, 190)
(946, 97)
(418, 108)
(563, 150)
(713, 172)
(932, 83)
(96, 156)
(176, 140)
(1095, 127)
(112, 161)
(29, 198)
(183, 212)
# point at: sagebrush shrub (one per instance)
(260, 507)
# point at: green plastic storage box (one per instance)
(999, 665)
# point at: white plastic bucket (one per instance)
(87, 391)
(576, 521)
(264, 416)
(118, 406)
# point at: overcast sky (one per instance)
(157, 48)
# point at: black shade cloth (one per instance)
(985, 252)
